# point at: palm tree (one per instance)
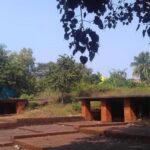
(141, 66)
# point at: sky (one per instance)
(36, 24)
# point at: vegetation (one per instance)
(65, 79)
(141, 66)
(47, 84)
(65, 75)
(103, 14)
(22, 78)
(16, 72)
(117, 79)
(52, 110)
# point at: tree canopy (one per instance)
(16, 72)
(65, 74)
(20, 75)
(141, 66)
(105, 14)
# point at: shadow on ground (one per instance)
(103, 143)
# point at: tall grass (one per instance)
(51, 110)
(126, 91)
(74, 108)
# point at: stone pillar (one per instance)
(129, 114)
(20, 106)
(86, 112)
(106, 115)
(149, 109)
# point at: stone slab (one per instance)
(80, 124)
(10, 148)
(6, 136)
(97, 130)
(43, 143)
(80, 141)
(54, 128)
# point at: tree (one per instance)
(5, 91)
(3, 62)
(105, 14)
(43, 74)
(64, 75)
(141, 66)
(42, 69)
(118, 78)
(26, 71)
(17, 72)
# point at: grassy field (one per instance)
(56, 109)
(125, 91)
(51, 110)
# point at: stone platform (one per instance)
(79, 135)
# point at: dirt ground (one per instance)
(69, 136)
(79, 141)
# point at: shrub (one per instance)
(26, 96)
(85, 89)
(76, 106)
(105, 86)
(117, 80)
(131, 83)
(32, 105)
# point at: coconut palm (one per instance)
(141, 66)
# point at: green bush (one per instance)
(85, 89)
(105, 86)
(28, 97)
(32, 105)
(131, 84)
(113, 84)
(117, 80)
(76, 106)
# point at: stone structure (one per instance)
(117, 108)
(12, 106)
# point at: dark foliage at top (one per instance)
(105, 14)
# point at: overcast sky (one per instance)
(36, 24)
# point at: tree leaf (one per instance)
(98, 22)
(148, 32)
(138, 27)
(83, 59)
(143, 32)
(91, 55)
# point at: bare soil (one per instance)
(69, 136)
(80, 141)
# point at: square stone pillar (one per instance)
(106, 115)
(86, 112)
(20, 106)
(129, 114)
(149, 109)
